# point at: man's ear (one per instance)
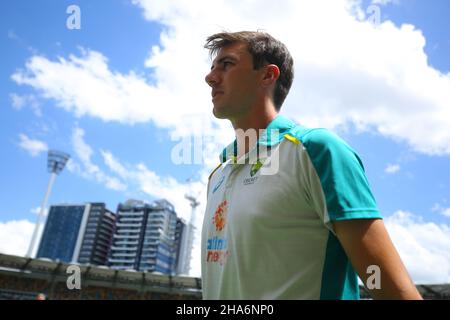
(271, 74)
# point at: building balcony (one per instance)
(156, 221)
(118, 236)
(127, 230)
(129, 225)
(107, 226)
(123, 248)
(131, 214)
(102, 249)
(149, 253)
(153, 235)
(105, 234)
(122, 261)
(151, 243)
(131, 219)
(118, 255)
(157, 215)
(126, 243)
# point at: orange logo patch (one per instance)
(220, 216)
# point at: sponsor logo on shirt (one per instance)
(217, 247)
(253, 170)
(248, 181)
(217, 250)
(217, 186)
(255, 167)
(220, 216)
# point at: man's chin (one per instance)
(219, 114)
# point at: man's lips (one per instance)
(215, 93)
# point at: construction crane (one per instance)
(187, 239)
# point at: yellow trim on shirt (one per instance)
(214, 171)
(291, 138)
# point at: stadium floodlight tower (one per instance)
(56, 161)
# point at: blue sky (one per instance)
(48, 113)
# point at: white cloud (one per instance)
(148, 181)
(423, 246)
(112, 96)
(15, 236)
(37, 211)
(32, 146)
(392, 168)
(441, 210)
(88, 169)
(91, 76)
(446, 212)
(20, 101)
(114, 165)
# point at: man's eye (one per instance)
(227, 63)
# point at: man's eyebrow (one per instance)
(227, 57)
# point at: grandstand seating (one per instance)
(24, 279)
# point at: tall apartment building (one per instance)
(145, 237)
(77, 233)
(97, 237)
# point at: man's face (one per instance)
(234, 82)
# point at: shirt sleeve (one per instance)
(339, 174)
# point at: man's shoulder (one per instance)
(315, 137)
(322, 145)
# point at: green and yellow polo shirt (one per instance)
(267, 230)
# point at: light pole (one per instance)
(56, 162)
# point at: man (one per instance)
(305, 230)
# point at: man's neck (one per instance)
(248, 128)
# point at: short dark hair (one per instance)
(264, 49)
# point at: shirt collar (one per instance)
(272, 135)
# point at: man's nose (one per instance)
(211, 78)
